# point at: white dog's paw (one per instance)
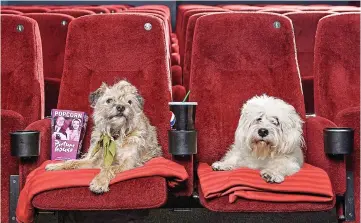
(99, 185)
(54, 166)
(220, 166)
(272, 177)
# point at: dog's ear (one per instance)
(140, 100)
(94, 96)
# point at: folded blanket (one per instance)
(310, 184)
(40, 180)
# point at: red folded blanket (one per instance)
(40, 180)
(310, 184)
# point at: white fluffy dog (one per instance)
(268, 138)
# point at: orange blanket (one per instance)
(310, 184)
(40, 180)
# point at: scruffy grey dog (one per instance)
(268, 138)
(118, 112)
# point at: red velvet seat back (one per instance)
(187, 61)
(30, 9)
(186, 16)
(53, 30)
(109, 48)
(73, 12)
(22, 81)
(337, 64)
(10, 12)
(235, 57)
(278, 10)
(305, 25)
(96, 9)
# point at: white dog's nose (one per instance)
(263, 132)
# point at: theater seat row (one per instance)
(229, 64)
(53, 28)
(304, 23)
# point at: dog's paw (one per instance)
(99, 185)
(54, 166)
(272, 177)
(219, 166)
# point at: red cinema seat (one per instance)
(314, 8)
(30, 9)
(242, 8)
(187, 14)
(22, 90)
(305, 25)
(95, 53)
(162, 8)
(180, 12)
(337, 80)
(73, 12)
(96, 9)
(337, 64)
(53, 30)
(350, 118)
(188, 46)
(345, 9)
(10, 12)
(111, 8)
(278, 10)
(235, 65)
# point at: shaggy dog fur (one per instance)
(268, 138)
(118, 112)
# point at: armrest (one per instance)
(26, 166)
(10, 121)
(315, 155)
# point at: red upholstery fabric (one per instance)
(315, 153)
(53, 38)
(278, 10)
(179, 92)
(11, 12)
(233, 66)
(92, 62)
(73, 12)
(346, 10)
(242, 8)
(10, 122)
(182, 36)
(96, 9)
(30, 9)
(112, 9)
(162, 8)
(187, 61)
(80, 178)
(305, 25)
(175, 59)
(337, 64)
(22, 81)
(180, 12)
(310, 184)
(177, 77)
(239, 65)
(314, 8)
(350, 117)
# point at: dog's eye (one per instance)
(275, 122)
(130, 102)
(259, 119)
(109, 100)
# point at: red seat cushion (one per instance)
(129, 194)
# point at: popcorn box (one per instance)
(68, 130)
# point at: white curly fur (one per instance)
(276, 155)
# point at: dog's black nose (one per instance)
(263, 132)
(120, 108)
